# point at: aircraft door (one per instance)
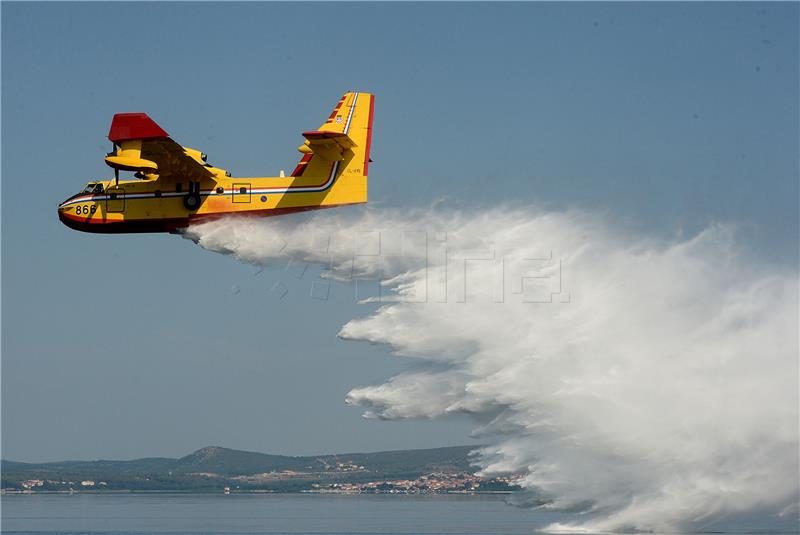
(241, 192)
(115, 199)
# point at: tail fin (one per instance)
(341, 148)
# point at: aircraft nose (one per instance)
(63, 208)
(62, 213)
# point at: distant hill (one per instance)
(235, 462)
(215, 459)
(207, 466)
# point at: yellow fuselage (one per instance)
(159, 206)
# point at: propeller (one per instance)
(116, 171)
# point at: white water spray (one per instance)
(652, 384)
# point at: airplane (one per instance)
(175, 186)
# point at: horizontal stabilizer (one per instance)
(327, 145)
(339, 138)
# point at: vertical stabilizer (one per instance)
(340, 150)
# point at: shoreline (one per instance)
(14, 492)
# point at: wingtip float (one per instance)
(175, 186)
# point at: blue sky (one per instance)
(668, 116)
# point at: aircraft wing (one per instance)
(141, 145)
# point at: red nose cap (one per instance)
(127, 126)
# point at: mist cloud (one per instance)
(652, 384)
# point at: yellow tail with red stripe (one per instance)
(340, 151)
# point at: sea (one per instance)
(319, 514)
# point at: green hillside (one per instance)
(214, 466)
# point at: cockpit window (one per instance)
(93, 187)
